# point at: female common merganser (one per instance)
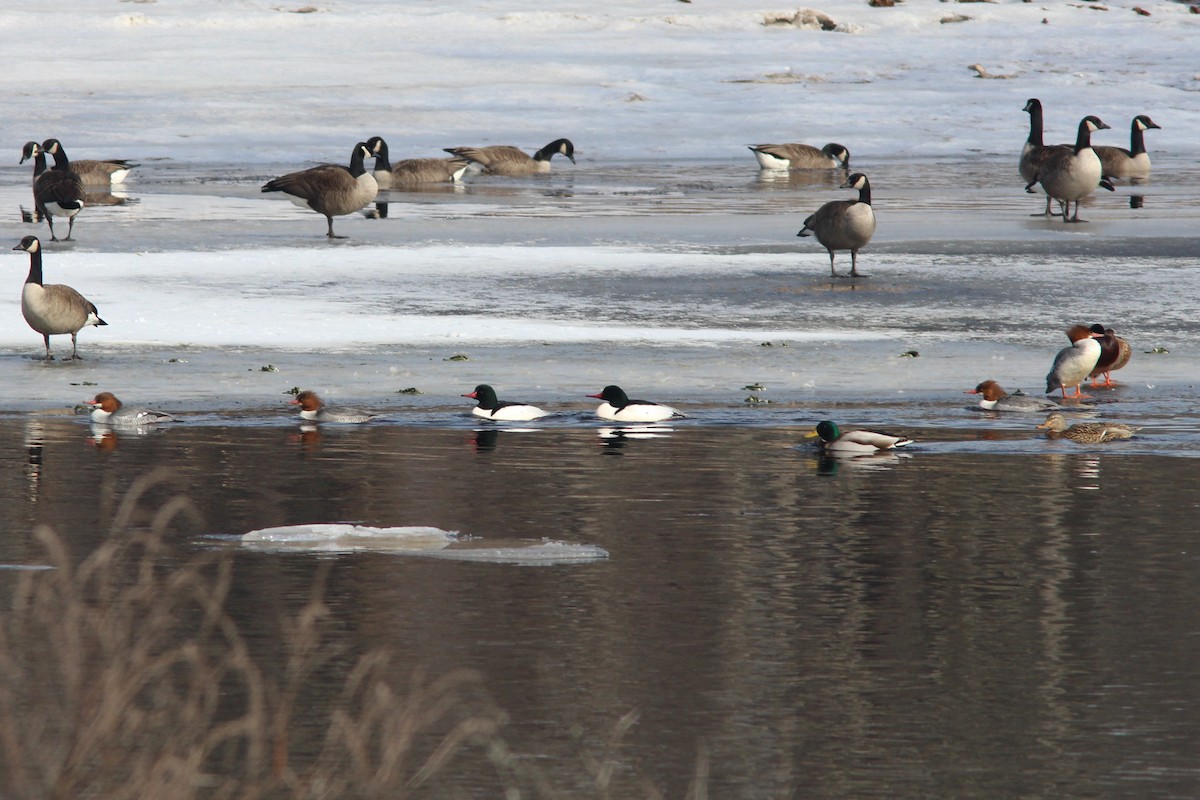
(491, 408)
(509, 160)
(94, 173)
(330, 189)
(844, 224)
(801, 156)
(858, 442)
(1086, 432)
(313, 409)
(1071, 174)
(108, 410)
(413, 171)
(996, 399)
(1074, 363)
(1115, 353)
(55, 308)
(618, 407)
(1117, 162)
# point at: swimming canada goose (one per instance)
(94, 173)
(844, 224)
(1074, 363)
(55, 308)
(1117, 162)
(1073, 174)
(57, 192)
(330, 189)
(1035, 152)
(800, 156)
(508, 160)
(413, 171)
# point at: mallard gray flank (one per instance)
(53, 309)
(801, 156)
(855, 442)
(1071, 175)
(509, 160)
(413, 171)
(844, 224)
(1117, 162)
(330, 189)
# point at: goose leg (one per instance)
(854, 265)
(75, 348)
(46, 339)
(832, 271)
(50, 222)
(70, 227)
(331, 234)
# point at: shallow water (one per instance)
(985, 614)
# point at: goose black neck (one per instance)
(356, 162)
(35, 267)
(39, 163)
(381, 156)
(1083, 140)
(549, 151)
(1137, 141)
(60, 159)
(1035, 124)
(864, 194)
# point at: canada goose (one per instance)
(618, 407)
(108, 410)
(489, 407)
(55, 308)
(1086, 432)
(1035, 152)
(413, 171)
(313, 409)
(1073, 174)
(1117, 162)
(801, 156)
(330, 189)
(94, 173)
(509, 160)
(857, 442)
(844, 224)
(57, 192)
(1074, 363)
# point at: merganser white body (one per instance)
(1073, 364)
(619, 408)
(489, 407)
(313, 409)
(108, 410)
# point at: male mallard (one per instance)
(857, 442)
(1086, 432)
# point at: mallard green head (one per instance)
(827, 430)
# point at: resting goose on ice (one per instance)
(330, 189)
(54, 308)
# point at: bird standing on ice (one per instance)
(1073, 364)
(330, 189)
(844, 224)
(54, 308)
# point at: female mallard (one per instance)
(1086, 432)
(858, 442)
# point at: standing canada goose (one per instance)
(94, 173)
(508, 160)
(57, 192)
(1073, 364)
(330, 189)
(844, 224)
(800, 156)
(413, 171)
(56, 308)
(1072, 174)
(1117, 162)
(1035, 152)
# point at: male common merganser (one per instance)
(1071, 174)
(618, 407)
(93, 172)
(1117, 162)
(313, 409)
(108, 410)
(508, 160)
(858, 442)
(996, 399)
(57, 192)
(1074, 363)
(413, 171)
(330, 189)
(55, 308)
(844, 224)
(800, 156)
(491, 408)
(1115, 353)
(1086, 432)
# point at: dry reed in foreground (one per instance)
(122, 678)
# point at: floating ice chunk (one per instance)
(345, 538)
(533, 554)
